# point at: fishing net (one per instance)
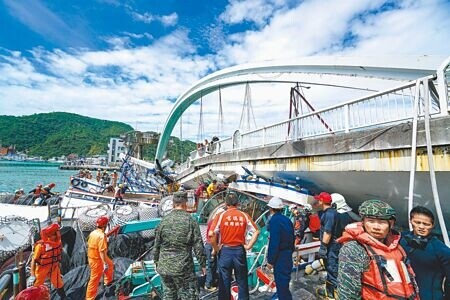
(123, 214)
(15, 235)
(148, 214)
(7, 198)
(79, 254)
(203, 229)
(165, 206)
(88, 216)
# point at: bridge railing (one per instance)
(387, 107)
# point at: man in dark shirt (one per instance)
(429, 257)
(329, 248)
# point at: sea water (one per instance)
(26, 175)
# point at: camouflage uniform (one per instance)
(176, 236)
(353, 261)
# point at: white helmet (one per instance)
(275, 203)
(307, 207)
(339, 201)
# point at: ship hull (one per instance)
(392, 187)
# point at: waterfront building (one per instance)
(116, 146)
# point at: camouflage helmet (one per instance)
(376, 209)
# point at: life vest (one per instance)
(51, 255)
(390, 275)
(314, 223)
(37, 191)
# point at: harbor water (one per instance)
(18, 174)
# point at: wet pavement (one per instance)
(302, 287)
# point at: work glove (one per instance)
(30, 281)
(105, 267)
(323, 250)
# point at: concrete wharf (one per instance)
(88, 167)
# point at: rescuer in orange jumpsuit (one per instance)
(46, 259)
(99, 262)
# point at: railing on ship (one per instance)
(387, 107)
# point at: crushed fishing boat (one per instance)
(258, 184)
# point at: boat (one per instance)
(261, 185)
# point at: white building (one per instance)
(115, 147)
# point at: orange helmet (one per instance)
(35, 292)
(102, 221)
(51, 185)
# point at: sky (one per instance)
(129, 60)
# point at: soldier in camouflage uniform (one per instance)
(372, 264)
(176, 236)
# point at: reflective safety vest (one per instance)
(390, 275)
(50, 255)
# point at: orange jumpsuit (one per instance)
(97, 242)
(47, 258)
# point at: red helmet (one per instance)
(35, 292)
(102, 221)
(51, 185)
(50, 230)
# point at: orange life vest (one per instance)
(390, 275)
(37, 191)
(51, 254)
(314, 223)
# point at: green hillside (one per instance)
(56, 134)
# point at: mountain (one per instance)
(60, 133)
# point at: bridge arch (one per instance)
(329, 71)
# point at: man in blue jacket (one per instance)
(281, 247)
(430, 258)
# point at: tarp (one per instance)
(130, 245)
(75, 282)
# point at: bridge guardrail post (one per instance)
(264, 136)
(346, 118)
(443, 87)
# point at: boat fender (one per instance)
(75, 182)
(84, 184)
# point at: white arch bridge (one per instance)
(389, 144)
(368, 73)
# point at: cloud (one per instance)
(121, 84)
(330, 27)
(138, 84)
(165, 20)
(138, 35)
(169, 20)
(256, 11)
(36, 16)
